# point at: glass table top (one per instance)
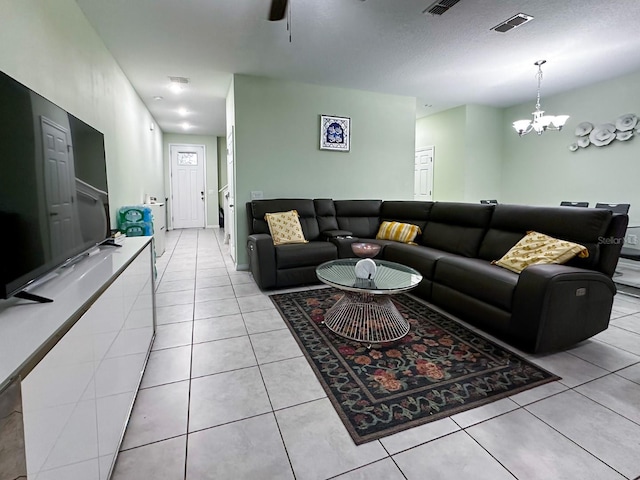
(390, 277)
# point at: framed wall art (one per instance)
(335, 133)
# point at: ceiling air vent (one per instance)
(181, 80)
(513, 22)
(440, 6)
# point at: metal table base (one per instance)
(367, 318)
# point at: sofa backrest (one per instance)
(304, 206)
(326, 214)
(612, 243)
(457, 227)
(362, 217)
(586, 226)
(408, 211)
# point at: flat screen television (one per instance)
(54, 202)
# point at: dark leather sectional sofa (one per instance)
(544, 308)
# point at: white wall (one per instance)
(51, 47)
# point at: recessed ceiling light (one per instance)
(186, 126)
(183, 111)
(158, 97)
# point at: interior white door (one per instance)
(187, 186)
(59, 174)
(230, 222)
(423, 186)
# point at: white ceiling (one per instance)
(386, 46)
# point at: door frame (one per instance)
(204, 179)
(231, 185)
(433, 165)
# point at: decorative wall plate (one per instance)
(623, 136)
(626, 122)
(603, 134)
(583, 142)
(583, 129)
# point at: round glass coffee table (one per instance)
(365, 313)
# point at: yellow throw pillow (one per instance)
(285, 227)
(537, 248)
(400, 232)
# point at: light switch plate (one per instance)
(257, 195)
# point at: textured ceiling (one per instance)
(384, 46)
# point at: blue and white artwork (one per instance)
(335, 133)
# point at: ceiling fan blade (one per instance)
(278, 10)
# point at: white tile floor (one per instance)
(628, 272)
(228, 395)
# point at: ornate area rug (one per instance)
(438, 369)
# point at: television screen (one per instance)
(54, 201)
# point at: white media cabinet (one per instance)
(158, 210)
(70, 370)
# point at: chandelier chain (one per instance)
(539, 76)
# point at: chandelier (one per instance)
(540, 122)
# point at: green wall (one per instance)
(277, 144)
(444, 131)
(483, 149)
(479, 155)
(52, 48)
(467, 153)
(211, 170)
(541, 170)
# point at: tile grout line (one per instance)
(488, 452)
(573, 441)
(193, 314)
(273, 412)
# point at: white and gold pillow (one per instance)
(285, 227)
(537, 248)
(400, 232)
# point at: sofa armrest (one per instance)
(556, 306)
(262, 259)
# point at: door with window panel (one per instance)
(187, 186)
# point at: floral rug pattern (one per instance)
(438, 369)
